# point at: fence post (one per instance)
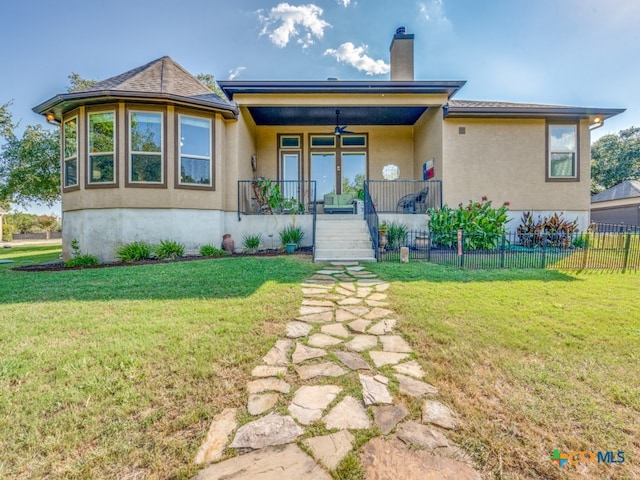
(502, 252)
(627, 247)
(545, 237)
(586, 252)
(461, 247)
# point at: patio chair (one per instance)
(414, 202)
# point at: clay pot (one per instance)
(227, 243)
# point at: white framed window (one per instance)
(146, 147)
(562, 147)
(195, 165)
(70, 163)
(102, 141)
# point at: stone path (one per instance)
(339, 369)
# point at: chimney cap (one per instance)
(401, 31)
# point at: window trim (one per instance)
(178, 158)
(128, 182)
(335, 144)
(116, 170)
(65, 159)
(552, 123)
(284, 150)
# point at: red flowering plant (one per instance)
(483, 225)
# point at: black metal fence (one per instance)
(405, 196)
(586, 250)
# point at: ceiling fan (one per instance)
(340, 130)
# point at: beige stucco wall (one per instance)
(428, 142)
(504, 159)
(387, 144)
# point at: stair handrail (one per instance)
(371, 217)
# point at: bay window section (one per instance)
(563, 152)
(145, 147)
(101, 157)
(70, 164)
(195, 158)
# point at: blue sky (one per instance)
(565, 52)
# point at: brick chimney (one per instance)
(402, 55)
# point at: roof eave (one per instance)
(531, 112)
(62, 103)
(449, 88)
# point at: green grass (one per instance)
(117, 372)
(532, 360)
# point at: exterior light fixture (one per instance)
(51, 119)
(596, 122)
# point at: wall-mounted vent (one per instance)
(462, 130)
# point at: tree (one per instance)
(30, 167)
(6, 122)
(209, 81)
(615, 158)
(77, 83)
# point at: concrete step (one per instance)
(343, 237)
(331, 254)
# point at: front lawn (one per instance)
(532, 360)
(117, 372)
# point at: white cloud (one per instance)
(434, 12)
(285, 21)
(356, 57)
(233, 74)
(344, 3)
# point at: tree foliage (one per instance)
(615, 158)
(209, 81)
(6, 122)
(77, 83)
(30, 167)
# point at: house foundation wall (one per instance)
(101, 231)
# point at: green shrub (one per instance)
(80, 260)
(553, 231)
(291, 234)
(7, 232)
(211, 251)
(482, 224)
(134, 252)
(252, 242)
(397, 234)
(169, 249)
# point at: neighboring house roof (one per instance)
(485, 109)
(160, 80)
(627, 189)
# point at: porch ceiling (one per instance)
(314, 115)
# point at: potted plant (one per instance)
(291, 236)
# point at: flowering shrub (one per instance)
(482, 224)
(553, 231)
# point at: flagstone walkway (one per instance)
(339, 369)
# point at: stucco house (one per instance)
(153, 154)
(618, 204)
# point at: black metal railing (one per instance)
(371, 217)
(575, 251)
(276, 197)
(405, 196)
(614, 228)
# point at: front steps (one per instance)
(343, 238)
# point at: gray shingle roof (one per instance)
(486, 109)
(161, 80)
(491, 104)
(627, 189)
(161, 76)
